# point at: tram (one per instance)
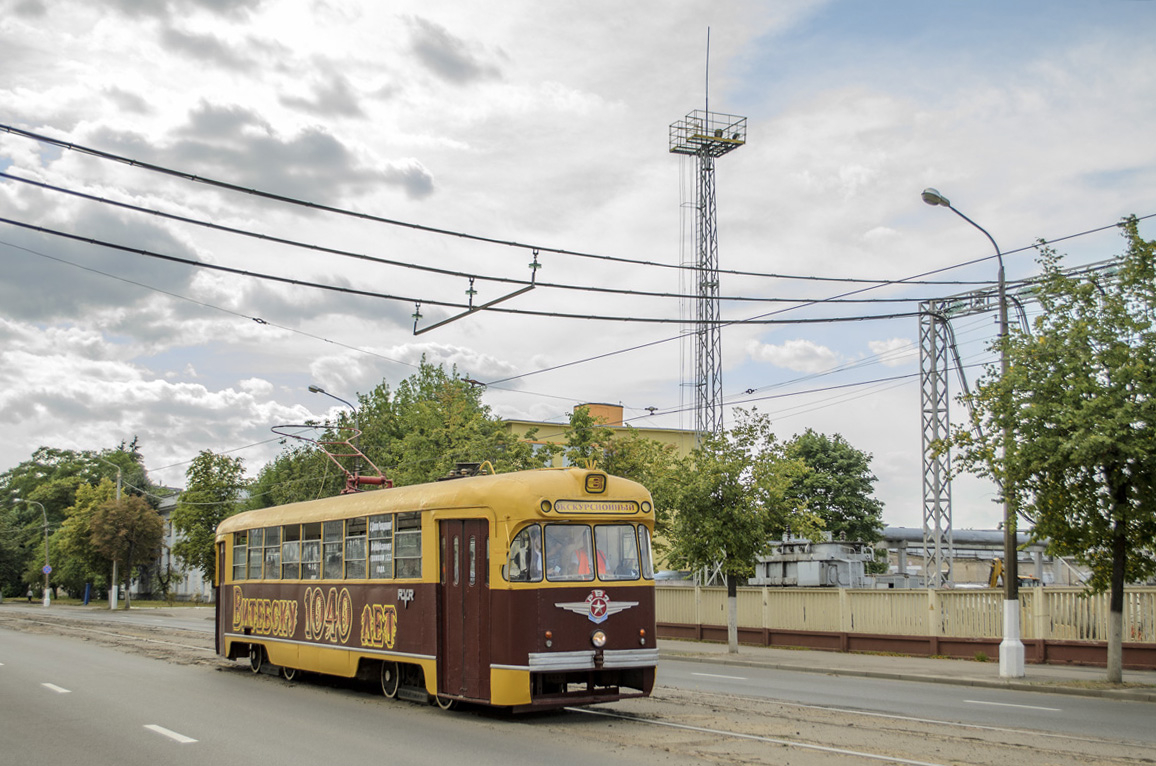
(525, 590)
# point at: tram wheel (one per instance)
(390, 678)
(446, 703)
(256, 657)
(289, 673)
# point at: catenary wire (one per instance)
(434, 302)
(81, 149)
(406, 264)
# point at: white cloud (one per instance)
(799, 354)
(894, 352)
(545, 124)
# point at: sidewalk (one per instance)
(1139, 685)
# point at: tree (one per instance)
(214, 484)
(53, 478)
(80, 561)
(587, 439)
(838, 487)
(1079, 402)
(129, 532)
(732, 499)
(651, 463)
(439, 420)
(435, 420)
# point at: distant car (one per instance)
(671, 574)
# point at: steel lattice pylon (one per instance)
(933, 359)
(937, 349)
(706, 136)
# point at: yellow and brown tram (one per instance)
(525, 590)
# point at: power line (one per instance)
(409, 225)
(429, 301)
(406, 264)
(258, 320)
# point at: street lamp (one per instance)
(114, 591)
(47, 566)
(1011, 649)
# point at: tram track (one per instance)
(749, 730)
(694, 726)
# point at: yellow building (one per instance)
(609, 415)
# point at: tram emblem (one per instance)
(597, 606)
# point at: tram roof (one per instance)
(468, 492)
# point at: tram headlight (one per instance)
(598, 638)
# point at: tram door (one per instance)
(464, 664)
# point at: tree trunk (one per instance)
(732, 615)
(1119, 490)
(1116, 601)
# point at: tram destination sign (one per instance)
(596, 506)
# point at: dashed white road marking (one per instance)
(57, 689)
(169, 733)
(716, 675)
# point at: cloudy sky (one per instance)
(545, 125)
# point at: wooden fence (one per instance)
(1057, 624)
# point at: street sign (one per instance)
(47, 569)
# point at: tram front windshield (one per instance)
(579, 552)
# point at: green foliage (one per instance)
(78, 560)
(434, 421)
(732, 498)
(1079, 401)
(587, 439)
(54, 478)
(439, 421)
(298, 473)
(651, 463)
(838, 486)
(1078, 406)
(212, 494)
(128, 531)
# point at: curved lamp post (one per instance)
(1011, 649)
(47, 566)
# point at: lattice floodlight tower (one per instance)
(707, 136)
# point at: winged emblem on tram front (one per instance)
(597, 606)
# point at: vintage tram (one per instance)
(526, 590)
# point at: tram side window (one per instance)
(617, 549)
(291, 552)
(407, 545)
(568, 552)
(381, 547)
(355, 548)
(273, 553)
(647, 559)
(525, 560)
(256, 553)
(311, 551)
(331, 543)
(240, 553)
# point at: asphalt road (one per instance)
(69, 701)
(80, 686)
(1052, 713)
